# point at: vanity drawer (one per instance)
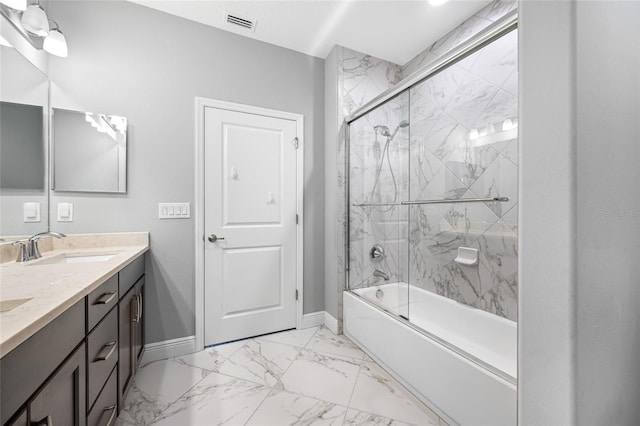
(105, 410)
(101, 300)
(102, 355)
(130, 274)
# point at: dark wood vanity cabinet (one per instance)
(78, 368)
(61, 401)
(130, 326)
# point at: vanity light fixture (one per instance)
(35, 20)
(55, 43)
(437, 2)
(15, 4)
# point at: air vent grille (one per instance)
(243, 22)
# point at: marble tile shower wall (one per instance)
(361, 78)
(464, 145)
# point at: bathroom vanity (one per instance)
(72, 330)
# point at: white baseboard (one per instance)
(168, 349)
(330, 322)
(314, 319)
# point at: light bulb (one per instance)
(474, 134)
(507, 124)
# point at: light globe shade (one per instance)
(56, 44)
(15, 4)
(35, 20)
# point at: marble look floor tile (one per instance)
(325, 342)
(323, 377)
(156, 386)
(286, 408)
(355, 417)
(210, 358)
(216, 400)
(378, 393)
(297, 338)
(260, 361)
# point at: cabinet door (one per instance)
(138, 322)
(126, 310)
(62, 400)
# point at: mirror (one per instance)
(89, 152)
(24, 103)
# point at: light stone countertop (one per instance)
(53, 288)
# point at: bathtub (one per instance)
(459, 360)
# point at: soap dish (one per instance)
(467, 256)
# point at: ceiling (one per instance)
(394, 30)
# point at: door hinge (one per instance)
(296, 294)
(297, 218)
(295, 142)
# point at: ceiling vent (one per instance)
(237, 21)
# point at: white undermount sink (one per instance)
(76, 258)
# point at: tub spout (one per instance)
(378, 273)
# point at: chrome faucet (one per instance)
(29, 249)
(378, 273)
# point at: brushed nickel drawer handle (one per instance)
(47, 421)
(112, 417)
(105, 298)
(106, 351)
(136, 316)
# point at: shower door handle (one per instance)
(213, 238)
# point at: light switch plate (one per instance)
(65, 212)
(174, 210)
(31, 212)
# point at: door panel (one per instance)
(250, 205)
(250, 290)
(252, 182)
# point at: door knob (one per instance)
(213, 238)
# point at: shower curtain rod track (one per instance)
(444, 201)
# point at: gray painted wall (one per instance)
(579, 344)
(128, 60)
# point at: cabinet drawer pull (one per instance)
(112, 417)
(47, 421)
(106, 298)
(136, 316)
(106, 351)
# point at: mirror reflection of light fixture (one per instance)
(15, 4)
(35, 20)
(4, 42)
(55, 43)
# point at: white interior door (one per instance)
(250, 225)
